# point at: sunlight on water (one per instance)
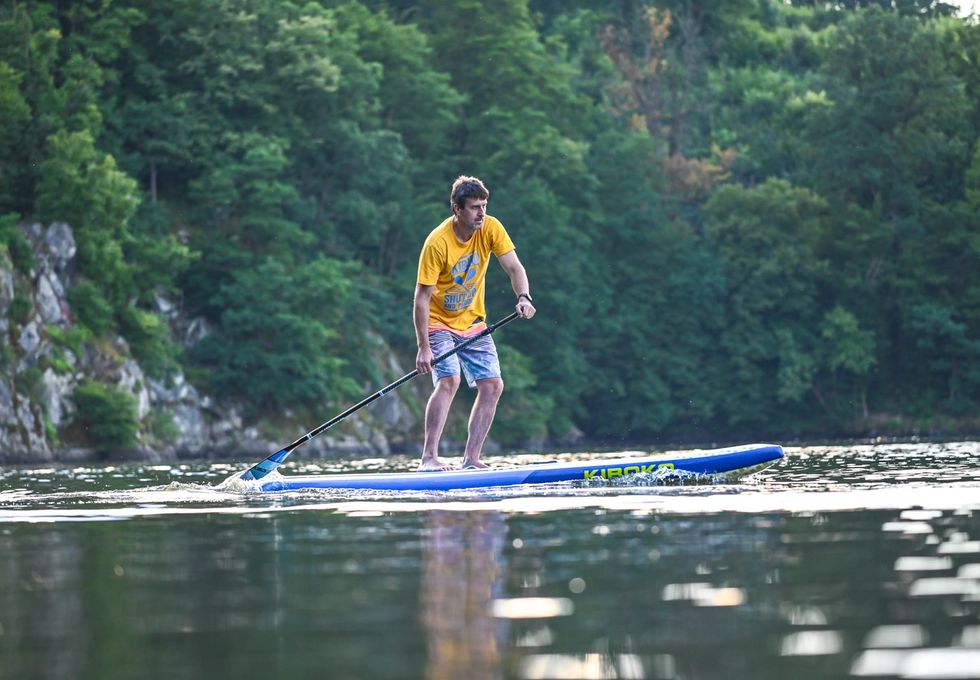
(588, 667)
(896, 637)
(532, 607)
(812, 643)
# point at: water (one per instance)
(838, 562)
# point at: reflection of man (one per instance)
(462, 573)
(449, 307)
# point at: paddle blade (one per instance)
(266, 466)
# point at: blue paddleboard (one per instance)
(725, 464)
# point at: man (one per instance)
(449, 307)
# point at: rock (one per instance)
(7, 415)
(189, 421)
(60, 242)
(164, 306)
(196, 331)
(178, 390)
(132, 380)
(29, 341)
(7, 290)
(50, 297)
(203, 424)
(32, 430)
(57, 391)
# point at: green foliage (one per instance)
(738, 217)
(149, 340)
(20, 308)
(16, 115)
(526, 412)
(28, 383)
(60, 365)
(161, 426)
(72, 338)
(849, 348)
(91, 308)
(106, 416)
(765, 239)
(21, 253)
(276, 333)
(82, 186)
(878, 141)
(51, 433)
(156, 257)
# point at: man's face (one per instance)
(471, 215)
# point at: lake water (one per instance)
(838, 562)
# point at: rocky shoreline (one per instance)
(40, 372)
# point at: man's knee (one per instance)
(448, 384)
(491, 387)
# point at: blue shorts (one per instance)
(478, 361)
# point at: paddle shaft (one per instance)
(272, 462)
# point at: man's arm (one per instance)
(420, 315)
(518, 281)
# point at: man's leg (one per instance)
(488, 393)
(436, 412)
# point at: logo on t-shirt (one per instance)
(460, 295)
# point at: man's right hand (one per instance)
(423, 360)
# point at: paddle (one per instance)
(272, 462)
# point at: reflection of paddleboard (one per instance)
(720, 465)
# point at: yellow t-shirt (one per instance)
(458, 270)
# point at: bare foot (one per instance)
(435, 465)
(474, 465)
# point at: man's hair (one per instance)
(467, 187)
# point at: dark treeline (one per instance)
(740, 217)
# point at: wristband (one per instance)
(525, 295)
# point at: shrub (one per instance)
(28, 383)
(51, 432)
(91, 308)
(59, 364)
(162, 426)
(20, 250)
(19, 310)
(148, 337)
(72, 339)
(106, 415)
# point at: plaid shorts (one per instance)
(478, 361)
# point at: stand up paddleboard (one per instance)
(718, 465)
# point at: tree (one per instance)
(765, 240)
(85, 188)
(106, 417)
(890, 147)
(16, 114)
(884, 143)
(278, 336)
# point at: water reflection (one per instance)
(462, 565)
(41, 600)
(934, 591)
